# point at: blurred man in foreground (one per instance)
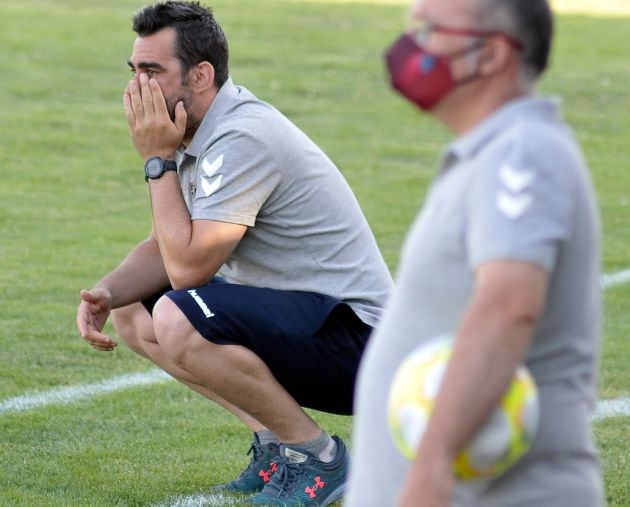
(504, 256)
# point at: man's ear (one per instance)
(496, 54)
(201, 76)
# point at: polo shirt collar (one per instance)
(531, 107)
(221, 104)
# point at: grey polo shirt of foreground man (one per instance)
(516, 187)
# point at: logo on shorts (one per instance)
(201, 303)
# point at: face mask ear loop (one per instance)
(473, 55)
(469, 52)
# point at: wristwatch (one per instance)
(155, 167)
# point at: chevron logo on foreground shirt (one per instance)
(514, 199)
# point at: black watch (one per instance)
(155, 167)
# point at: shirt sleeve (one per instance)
(235, 176)
(520, 206)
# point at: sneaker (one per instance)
(258, 472)
(303, 480)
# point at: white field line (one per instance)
(201, 500)
(615, 279)
(72, 394)
(619, 407)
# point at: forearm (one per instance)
(192, 251)
(172, 226)
(487, 350)
(493, 337)
(138, 276)
(171, 218)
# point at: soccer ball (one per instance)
(502, 440)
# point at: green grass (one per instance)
(73, 202)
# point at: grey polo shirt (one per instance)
(517, 188)
(248, 164)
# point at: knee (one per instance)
(133, 325)
(173, 331)
(122, 318)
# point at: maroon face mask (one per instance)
(424, 78)
(421, 77)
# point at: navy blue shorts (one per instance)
(312, 343)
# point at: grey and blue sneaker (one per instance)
(303, 480)
(258, 472)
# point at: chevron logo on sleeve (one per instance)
(209, 181)
(515, 198)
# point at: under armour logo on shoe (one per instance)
(266, 474)
(318, 485)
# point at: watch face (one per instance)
(154, 168)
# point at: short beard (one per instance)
(172, 101)
(185, 97)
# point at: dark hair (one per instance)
(198, 35)
(528, 21)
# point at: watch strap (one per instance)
(166, 165)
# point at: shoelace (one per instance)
(257, 450)
(284, 477)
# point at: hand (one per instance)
(91, 317)
(153, 133)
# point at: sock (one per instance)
(323, 447)
(266, 437)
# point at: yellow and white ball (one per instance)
(502, 440)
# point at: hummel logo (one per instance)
(513, 201)
(209, 183)
(319, 484)
(201, 303)
(513, 206)
(516, 181)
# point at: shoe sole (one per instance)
(335, 496)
